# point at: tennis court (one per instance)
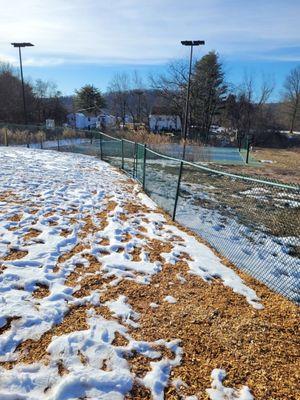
(207, 154)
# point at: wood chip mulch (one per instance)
(217, 328)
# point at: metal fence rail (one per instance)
(253, 222)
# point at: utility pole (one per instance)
(190, 43)
(19, 45)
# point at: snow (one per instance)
(178, 382)
(181, 278)
(170, 299)
(53, 193)
(120, 308)
(220, 392)
(147, 201)
(157, 379)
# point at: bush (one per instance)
(141, 135)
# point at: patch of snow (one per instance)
(147, 201)
(170, 299)
(156, 380)
(178, 383)
(120, 308)
(220, 392)
(181, 278)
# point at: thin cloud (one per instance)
(144, 32)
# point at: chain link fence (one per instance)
(254, 223)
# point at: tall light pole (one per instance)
(19, 45)
(190, 43)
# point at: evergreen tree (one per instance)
(89, 98)
(208, 90)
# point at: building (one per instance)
(81, 121)
(105, 121)
(164, 123)
(77, 120)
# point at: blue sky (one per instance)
(88, 41)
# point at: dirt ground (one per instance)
(285, 165)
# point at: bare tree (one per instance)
(292, 96)
(45, 92)
(11, 106)
(128, 95)
(247, 111)
(171, 86)
(137, 101)
(119, 89)
(207, 91)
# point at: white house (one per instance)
(217, 129)
(159, 123)
(81, 121)
(105, 120)
(77, 120)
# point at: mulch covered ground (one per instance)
(217, 328)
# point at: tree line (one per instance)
(43, 99)
(244, 109)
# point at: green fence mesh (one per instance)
(111, 150)
(255, 224)
(161, 176)
(129, 157)
(140, 151)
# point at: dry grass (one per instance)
(142, 135)
(20, 135)
(285, 166)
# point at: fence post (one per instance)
(240, 142)
(5, 137)
(177, 191)
(144, 167)
(248, 150)
(100, 144)
(134, 172)
(122, 149)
